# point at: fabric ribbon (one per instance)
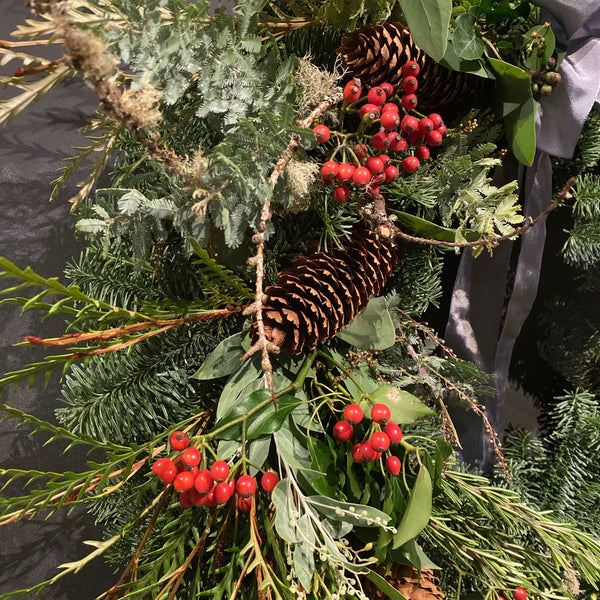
(475, 327)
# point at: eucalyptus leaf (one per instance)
(356, 514)
(466, 42)
(249, 373)
(283, 501)
(405, 407)
(418, 511)
(372, 328)
(223, 360)
(291, 446)
(428, 21)
(304, 558)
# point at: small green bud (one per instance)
(553, 78)
(551, 63)
(546, 90)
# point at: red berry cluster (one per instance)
(208, 486)
(400, 133)
(379, 441)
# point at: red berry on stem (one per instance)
(211, 499)
(168, 473)
(373, 190)
(191, 456)
(394, 432)
(369, 111)
(353, 414)
(345, 171)
(442, 129)
(196, 497)
(380, 140)
(388, 88)
(520, 594)
(409, 124)
(361, 176)
(185, 500)
(268, 481)
(391, 173)
(416, 137)
(179, 440)
(342, 431)
(222, 492)
(393, 465)
(245, 486)
(375, 165)
(360, 150)
(422, 152)
(160, 464)
(434, 138)
(390, 107)
(367, 452)
(390, 120)
(183, 482)
(410, 85)
(329, 170)
(410, 68)
(352, 91)
(245, 504)
(19, 72)
(342, 193)
(203, 481)
(380, 441)
(436, 120)
(322, 133)
(410, 164)
(380, 413)
(399, 144)
(356, 453)
(219, 470)
(387, 161)
(425, 125)
(409, 101)
(377, 96)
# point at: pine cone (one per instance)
(406, 580)
(376, 55)
(322, 292)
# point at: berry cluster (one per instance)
(379, 441)
(543, 82)
(208, 486)
(367, 165)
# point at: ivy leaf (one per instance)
(372, 328)
(465, 42)
(223, 360)
(417, 513)
(405, 407)
(428, 21)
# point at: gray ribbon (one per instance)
(475, 328)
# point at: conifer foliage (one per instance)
(243, 348)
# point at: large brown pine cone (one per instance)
(376, 55)
(322, 292)
(406, 580)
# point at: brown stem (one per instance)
(238, 583)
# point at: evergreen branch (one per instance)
(263, 345)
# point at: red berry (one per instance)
(409, 101)
(160, 464)
(375, 165)
(367, 452)
(434, 138)
(380, 140)
(373, 190)
(391, 173)
(387, 161)
(231, 484)
(416, 137)
(356, 453)
(245, 486)
(410, 85)
(410, 164)
(520, 594)
(179, 440)
(203, 481)
(329, 170)
(390, 120)
(388, 88)
(422, 152)
(168, 473)
(377, 96)
(394, 432)
(410, 68)
(436, 120)
(369, 111)
(185, 500)
(353, 414)
(341, 193)
(409, 124)
(191, 457)
(399, 144)
(380, 441)
(380, 413)
(425, 125)
(361, 176)
(393, 465)
(360, 150)
(345, 171)
(183, 482)
(196, 497)
(19, 72)
(390, 107)
(245, 504)
(442, 129)
(219, 470)
(268, 481)
(322, 133)
(222, 492)
(342, 431)
(352, 91)
(211, 499)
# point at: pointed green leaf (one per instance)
(391, 592)
(427, 229)
(223, 360)
(405, 407)
(465, 42)
(428, 21)
(372, 329)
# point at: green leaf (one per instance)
(418, 510)
(428, 21)
(269, 420)
(372, 329)
(304, 558)
(453, 61)
(291, 446)
(283, 501)
(405, 407)
(465, 42)
(237, 383)
(355, 514)
(427, 229)
(223, 360)
(391, 592)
